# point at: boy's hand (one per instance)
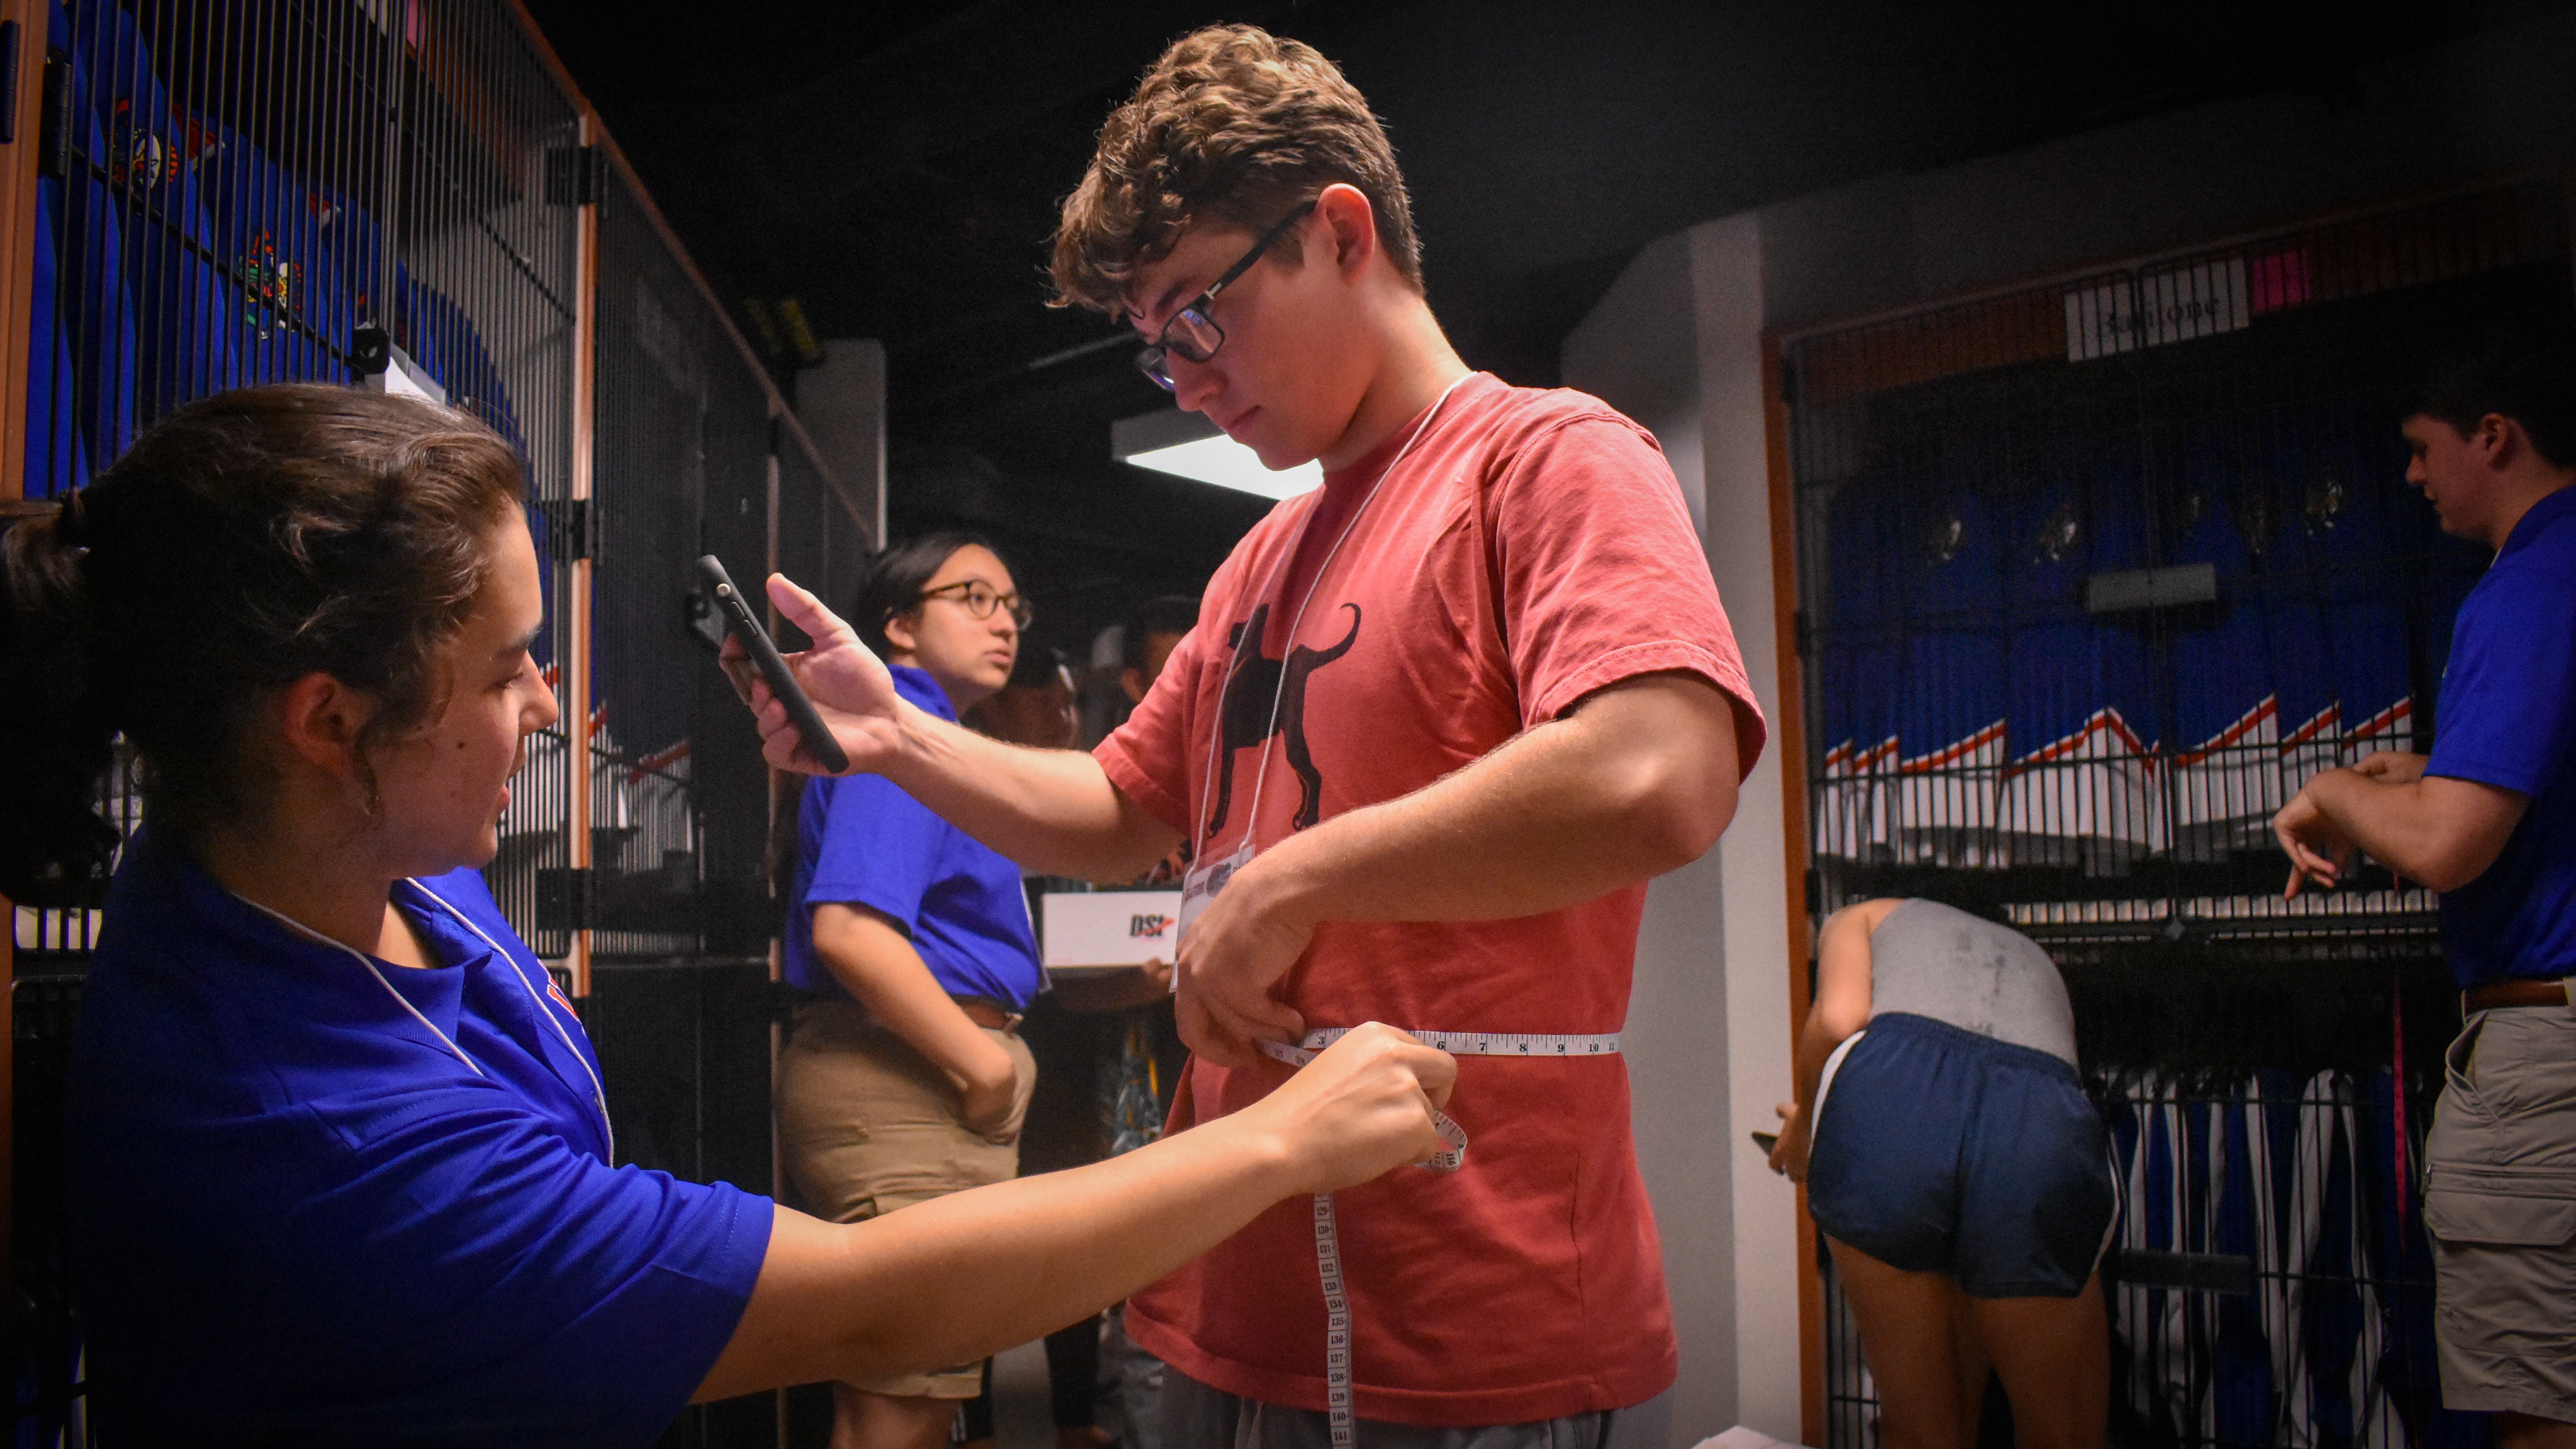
(850, 686)
(2319, 850)
(1229, 966)
(2390, 767)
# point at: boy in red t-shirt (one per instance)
(1439, 723)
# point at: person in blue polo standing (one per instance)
(905, 1078)
(2484, 821)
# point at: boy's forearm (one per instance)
(2434, 830)
(1639, 784)
(1052, 811)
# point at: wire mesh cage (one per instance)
(2092, 577)
(234, 194)
(685, 432)
(679, 453)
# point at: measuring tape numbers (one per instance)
(1451, 1156)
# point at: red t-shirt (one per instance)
(1527, 549)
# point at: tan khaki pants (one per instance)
(868, 1126)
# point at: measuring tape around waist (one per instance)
(1451, 1156)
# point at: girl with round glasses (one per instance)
(905, 1077)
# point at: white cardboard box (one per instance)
(1110, 928)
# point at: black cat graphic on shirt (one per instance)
(1245, 717)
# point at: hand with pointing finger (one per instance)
(2318, 848)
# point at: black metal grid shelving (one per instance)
(2092, 575)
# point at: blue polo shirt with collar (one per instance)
(862, 841)
(2508, 718)
(327, 1200)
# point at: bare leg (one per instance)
(2054, 1356)
(862, 1420)
(1975, 1365)
(1906, 1329)
(2528, 1431)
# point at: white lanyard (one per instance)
(1210, 876)
(598, 1095)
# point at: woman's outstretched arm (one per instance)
(970, 1274)
(1841, 1007)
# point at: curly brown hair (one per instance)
(1234, 126)
(244, 542)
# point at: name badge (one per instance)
(1203, 882)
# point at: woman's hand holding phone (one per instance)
(1789, 1149)
(850, 687)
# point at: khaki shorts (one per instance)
(867, 1126)
(2500, 1202)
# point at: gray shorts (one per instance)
(2500, 1203)
(1198, 1417)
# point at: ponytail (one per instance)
(55, 739)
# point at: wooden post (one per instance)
(1789, 739)
(24, 38)
(574, 652)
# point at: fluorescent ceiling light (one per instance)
(1189, 445)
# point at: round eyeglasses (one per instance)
(980, 600)
(1191, 333)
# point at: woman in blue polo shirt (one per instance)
(340, 1159)
(905, 1078)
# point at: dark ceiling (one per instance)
(896, 170)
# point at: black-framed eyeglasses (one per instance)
(981, 601)
(1191, 332)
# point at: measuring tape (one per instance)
(1451, 1156)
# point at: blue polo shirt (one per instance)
(307, 1211)
(862, 841)
(2508, 718)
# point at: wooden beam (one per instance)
(26, 28)
(574, 652)
(23, 24)
(1789, 741)
(595, 133)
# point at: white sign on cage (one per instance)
(1110, 928)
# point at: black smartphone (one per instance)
(1767, 1141)
(745, 624)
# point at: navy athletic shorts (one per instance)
(1941, 1151)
